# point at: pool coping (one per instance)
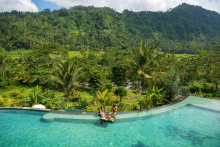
(26, 108)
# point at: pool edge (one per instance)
(26, 108)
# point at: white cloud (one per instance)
(19, 5)
(139, 5)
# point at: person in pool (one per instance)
(101, 112)
(114, 110)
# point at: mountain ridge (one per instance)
(184, 29)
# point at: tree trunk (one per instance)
(120, 99)
(30, 70)
(140, 86)
(67, 100)
(3, 73)
(48, 67)
(200, 85)
(94, 101)
(216, 87)
(47, 92)
(143, 86)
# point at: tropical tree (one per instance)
(23, 77)
(214, 60)
(120, 91)
(109, 86)
(95, 83)
(30, 62)
(20, 62)
(119, 74)
(68, 76)
(3, 60)
(146, 61)
(45, 82)
(104, 97)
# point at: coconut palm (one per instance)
(3, 60)
(104, 97)
(30, 62)
(67, 75)
(146, 61)
(20, 62)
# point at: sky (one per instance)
(118, 5)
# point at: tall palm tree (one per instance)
(20, 62)
(3, 60)
(67, 75)
(146, 61)
(104, 97)
(30, 62)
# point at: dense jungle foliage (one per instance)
(184, 29)
(59, 79)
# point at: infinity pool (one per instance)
(192, 122)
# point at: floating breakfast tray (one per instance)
(112, 119)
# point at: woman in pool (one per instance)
(101, 112)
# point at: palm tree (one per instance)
(67, 75)
(145, 60)
(3, 60)
(20, 62)
(104, 97)
(30, 62)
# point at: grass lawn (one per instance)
(74, 53)
(202, 84)
(184, 55)
(16, 53)
(85, 95)
(23, 91)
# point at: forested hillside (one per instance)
(184, 29)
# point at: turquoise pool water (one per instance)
(193, 122)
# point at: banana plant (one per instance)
(146, 101)
(156, 95)
(36, 98)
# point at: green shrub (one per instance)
(184, 91)
(81, 104)
(87, 89)
(14, 94)
(121, 106)
(134, 107)
(146, 102)
(8, 81)
(109, 86)
(194, 88)
(90, 109)
(3, 84)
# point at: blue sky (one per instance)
(118, 5)
(41, 5)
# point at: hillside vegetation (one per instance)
(184, 29)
